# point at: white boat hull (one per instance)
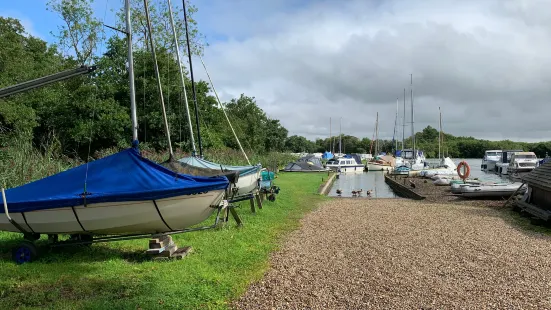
(376, 167)
(248, 183)
(488, 165)
(114, 218)
(349, 169)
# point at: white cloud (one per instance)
(486, 63)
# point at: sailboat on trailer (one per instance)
(247, 178)
(124, 193)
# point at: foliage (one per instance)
(81, 32)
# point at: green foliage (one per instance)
(80, 32)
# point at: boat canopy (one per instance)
(327, 155)
(311, 159)
(124, 176)
(302, 167)
(202, 163)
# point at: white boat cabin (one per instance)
(503, 163)
(345, 165)
(491, 157)
(523, 162)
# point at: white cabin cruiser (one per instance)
(344, 164)
(503, 164)
(522, 162)
(491, 157)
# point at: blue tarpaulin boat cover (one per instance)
(124, 176)
(199, 162)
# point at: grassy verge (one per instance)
(119, 276)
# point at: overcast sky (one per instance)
(487, 64)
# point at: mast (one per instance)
(181, 76)
(404, 121)
(330, 136)
(158, 75)
(377, 135)
(193, 83)
(394, 137)
(440, 135)
(412, 120)
(340, 136)
(133, 114)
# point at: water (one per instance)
(374, 181)
(476, 172)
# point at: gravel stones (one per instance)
(401, 254)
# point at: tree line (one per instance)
(85, 114)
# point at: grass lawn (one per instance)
(118, 275)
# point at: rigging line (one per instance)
(144, 85)
(157, 74)
(181, 71)
(85, 192)
(224, 110)
(192, 82)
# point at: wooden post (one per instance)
(258, 200)
(236, 216)
(252, 205)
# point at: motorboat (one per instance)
(522, 162)
(491, 157)
(123, 193)
(345, 164)
(492, 190)
(503, 163)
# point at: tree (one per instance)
(81, 32)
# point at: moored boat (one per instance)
(491, 157)
(522, 162)
(345, 165)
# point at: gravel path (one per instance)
(403, 254)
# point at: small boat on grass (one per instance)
(248, 176)
(123, 193)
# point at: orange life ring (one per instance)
(465, 175)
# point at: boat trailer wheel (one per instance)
(25, 252)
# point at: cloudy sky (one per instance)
(485, 63)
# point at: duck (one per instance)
(358, 192)
(339, 191)
(368, 192)
(411, 183)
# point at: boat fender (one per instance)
(467, 171)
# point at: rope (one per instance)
(85, 193)
(224, 110)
